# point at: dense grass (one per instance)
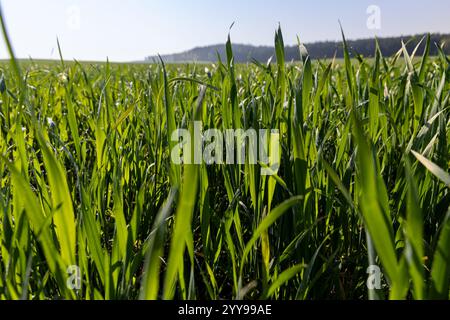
(86, 180)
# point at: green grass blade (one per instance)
(270, 219)
(377, 221)
(63, 216)
(440, 272)
(433, 168)
(150, 280)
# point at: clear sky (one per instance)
(126, 30)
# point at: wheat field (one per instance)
(92, 207)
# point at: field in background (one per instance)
(91, 206)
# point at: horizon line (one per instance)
(145, 60)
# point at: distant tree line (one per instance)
(319, 50)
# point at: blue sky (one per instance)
(132, 29)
